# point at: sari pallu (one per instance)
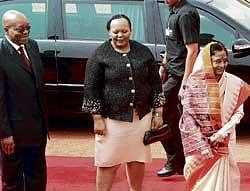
(211, 167)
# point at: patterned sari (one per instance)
(211, 110)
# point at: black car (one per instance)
(68, 31)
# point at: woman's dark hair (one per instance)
(217, 46)
(118, 16)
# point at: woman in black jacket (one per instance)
(122, 91)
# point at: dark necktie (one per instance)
(26, 60)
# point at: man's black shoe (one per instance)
(169, 170)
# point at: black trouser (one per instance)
(25, 169)
(171, 115)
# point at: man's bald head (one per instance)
(16, 26)
(12, 16)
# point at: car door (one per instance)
(214, 25)
(84, 25)
(211, 27)
(37, 15)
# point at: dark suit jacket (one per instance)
(22, 112)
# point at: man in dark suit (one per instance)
(23, 131)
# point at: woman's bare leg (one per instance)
(135, 174)
(105, 177)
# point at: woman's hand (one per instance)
(156, 122)
(99, 125)
(157, 118)
(207, 153)
(216, 139)
(219, 143)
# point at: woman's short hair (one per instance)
(217, 46)
(118, 16)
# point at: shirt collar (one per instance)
(14, 44)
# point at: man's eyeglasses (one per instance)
(22, 29)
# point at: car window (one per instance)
(210, 27)
(36, 13)
(213, 29)
(238, 10)
(164, 11)
(87, 20)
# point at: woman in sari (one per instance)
(212, 107)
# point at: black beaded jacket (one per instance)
(117, 83)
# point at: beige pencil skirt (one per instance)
(123, 142)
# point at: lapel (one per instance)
(33, 59)
(19, 62)
(15, 56)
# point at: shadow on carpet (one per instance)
(78, 174)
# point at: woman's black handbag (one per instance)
(155, 135)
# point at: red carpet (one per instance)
(78, 174)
